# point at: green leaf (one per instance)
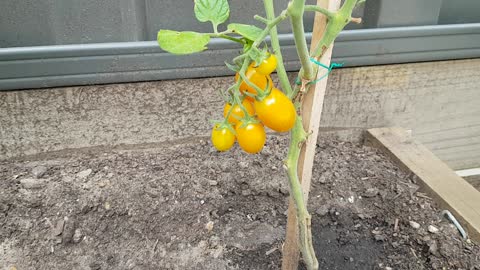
(216, 11)
(247, 31)
(182, 42)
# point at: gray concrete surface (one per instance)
(439, 101)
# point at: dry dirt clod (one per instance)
(32, 183)
(68, 230)
(84, 174)
(371, 192)
(58, 229)
(39, 171)
(322, 210)
(77, 236)
(243, 164)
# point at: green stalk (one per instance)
(334, 26)
(336, 22)
(281, 72)
(298, 137)
(295, 10)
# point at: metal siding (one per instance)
(110, 38)
(49, 66)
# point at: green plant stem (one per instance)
(224, 36)
(297, 139)
(272, 23)
(296, 9)
(281, 72)
(315, 8)
(334, 26)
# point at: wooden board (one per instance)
(438, 101)
(437, 179)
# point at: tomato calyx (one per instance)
(247, 120)
(224, 124)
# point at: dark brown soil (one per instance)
(189, 207)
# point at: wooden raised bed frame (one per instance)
(448, 189)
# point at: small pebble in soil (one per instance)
(39, 171)
(209, 226)
(351, 199)
(212, 182)
(84, 174)
(432, 229)
(414, 224)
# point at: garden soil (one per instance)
(186, 206)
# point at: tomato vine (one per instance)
(253, 102)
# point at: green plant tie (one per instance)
(329, 68)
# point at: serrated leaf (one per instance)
(182, 42)
(216, 11)
(250, 32)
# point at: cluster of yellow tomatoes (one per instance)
(273, 110)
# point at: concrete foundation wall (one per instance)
(439, 101)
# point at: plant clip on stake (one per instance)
(253, 83)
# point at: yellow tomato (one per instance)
(276, 111)
(222, 138)
(251, 137)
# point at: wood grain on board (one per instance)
(437, 179)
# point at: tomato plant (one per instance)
(273, 107)
(236, 111)
(260, 80)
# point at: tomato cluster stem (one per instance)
(281, 72)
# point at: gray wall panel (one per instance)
(142, 61)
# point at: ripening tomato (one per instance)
(256, 78)
(251, 137)
(222, 138)
(267, 66)
(237, 112)
(276, 111)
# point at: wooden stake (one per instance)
(311, 112)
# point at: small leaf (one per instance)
(182, 42)
(216, 11)
(247, 31)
